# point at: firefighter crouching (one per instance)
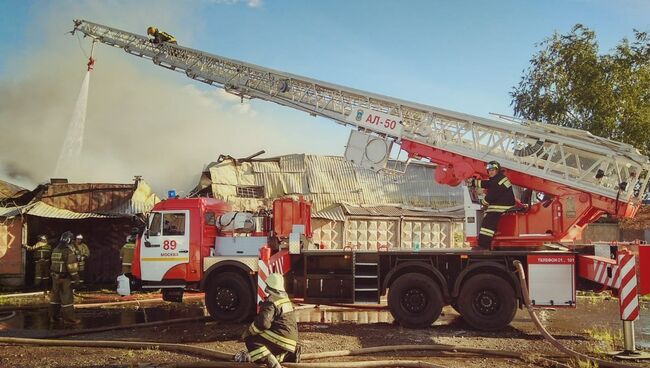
(42, 252)
(272, 338)
(64, 276)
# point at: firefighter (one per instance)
(83, 252)
(126, 253)
(160, 36)
(499, 199)
(272, 338)
(65, 275)
(42, 252)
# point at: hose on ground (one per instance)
(8, 317)
(137, 345)
(548, 336)
(360, 364)
(129, 326)
(393, 348)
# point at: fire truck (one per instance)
(569, 178)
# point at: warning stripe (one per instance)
(626, 279)
(262, 275)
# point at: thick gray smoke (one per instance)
(141, 119)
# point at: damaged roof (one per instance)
(87, 200)
(325, 181)
(11, 191)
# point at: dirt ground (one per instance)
(321, 330)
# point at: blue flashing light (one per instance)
(171, 193)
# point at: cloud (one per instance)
(141, 119)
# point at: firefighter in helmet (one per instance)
(160, 36)
(64, 276)
(126, 252)
(272, 338)
(499, 199)
(42, 252)
(83, 252)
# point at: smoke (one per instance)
(141, 119)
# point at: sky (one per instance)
(144, 120)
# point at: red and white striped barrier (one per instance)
(598, 269)
(627, 286)
(280, 262)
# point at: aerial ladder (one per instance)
(578, 176)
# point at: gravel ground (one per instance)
(315, 336)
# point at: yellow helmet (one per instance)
(275, 281)
(151, 30)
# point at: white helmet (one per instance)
(79, 236)
(275, 281)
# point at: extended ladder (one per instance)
(570, 157)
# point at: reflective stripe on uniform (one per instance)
(125, 264)
(253, 329)
(497, 208)
(259, 353)
(505, 182)
(281, 341)
(487, 232)
(67, 305)
(284, 305)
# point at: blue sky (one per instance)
(459, 55)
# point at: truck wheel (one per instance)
(229, 298)
(415, 300)
(487, 302)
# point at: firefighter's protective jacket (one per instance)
(64, 262)
(41, 249)
(160, 37)
(276, 322)
(500, 196)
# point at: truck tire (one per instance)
(415, 300)
(229, 297)
(487, 302)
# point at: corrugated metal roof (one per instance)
(12, 211)
(334, 213)
(293, 163)
(44, 210)
(397, 211)
(326, 180)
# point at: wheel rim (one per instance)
(414, 300)
(227, 299)
(486, 302)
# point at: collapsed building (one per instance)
(103, 213)
(352, 207)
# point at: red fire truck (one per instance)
(569, 179)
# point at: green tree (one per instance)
(569, 83)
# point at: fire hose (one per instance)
(226, 359)
(548, 336)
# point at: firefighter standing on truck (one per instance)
(499, 199)
(272, 338)
(64, 274)
(42, 253)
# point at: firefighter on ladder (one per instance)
(65, 275)
(160, 36)
(272, 338)
(42, 252)
(499, 199)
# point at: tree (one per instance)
(570, 84)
